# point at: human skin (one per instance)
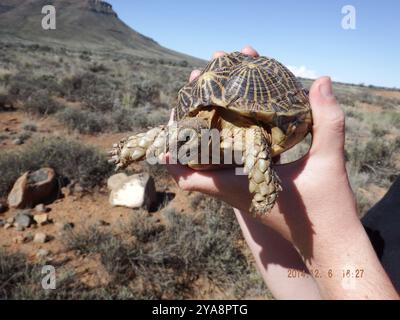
(314, 225)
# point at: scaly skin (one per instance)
(264, 183)
(157, 140)
(139, 146)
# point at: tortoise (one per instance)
(240, 96)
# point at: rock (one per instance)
(41, 208)
(19, 239)
(7, 226)
(33, 188)
(10, 220)
(136, 191)
(3, 207)
(2, 223)
(63, 226)
(23, 218)
(42, 253)
(78, 189)
(28, 237)
(20, 228)
(102, 223)
(17, 141)
(116, 180)
(41, 219)
(40, 237)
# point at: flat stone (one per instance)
(42, 253)
(63, 226)
(17, 141)
(10, 220)
(41, 219)
(7, 226)
(19, 239)
(19, 228)
(41, 208)
(40, 237)
(23, 218)
(135, 192)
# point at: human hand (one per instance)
(316, 211)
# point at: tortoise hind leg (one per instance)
(264, 183)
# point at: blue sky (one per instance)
(303, 34)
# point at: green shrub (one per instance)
(29, 126)
(25, 135)
(165, 260)
(83, 120)
(24, 85)
(41, 104)
(95, 90)
(86, 240)
(5, 103)
(21, 279)
(68, 158)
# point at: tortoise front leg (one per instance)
(150, 144)
(264, 183)
(136, 147)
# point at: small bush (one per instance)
(20, 279)
(86, 240)
(123, 120)
(165, 260)
(378, 131)
(96, 91)
(24, 85)
(68, 158)
(5, 103)
(83, 120)
(29, 126)
(95, 67)
(41, 104)
(3, 136)
(24, 136)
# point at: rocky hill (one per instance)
(83, 24)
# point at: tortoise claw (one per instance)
(112, 152)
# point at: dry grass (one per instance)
(166, 260)
(70, 160)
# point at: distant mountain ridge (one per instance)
(86, 24)
(100, 6)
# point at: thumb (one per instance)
(328, 120)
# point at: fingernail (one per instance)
(325, 88)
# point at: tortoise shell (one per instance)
(258, 88)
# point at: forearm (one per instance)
(332, 241)
(278, 262)
(345, 265)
